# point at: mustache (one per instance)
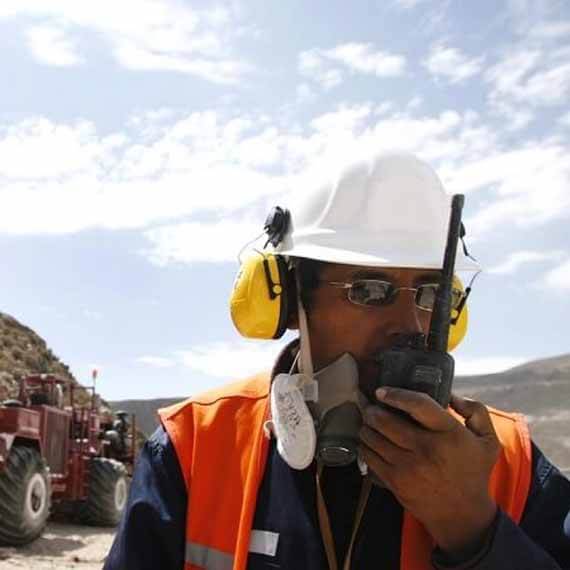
(403, 340)
(397, 341)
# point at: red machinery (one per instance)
(54, 451)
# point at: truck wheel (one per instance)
(107, 492)
(24, 496)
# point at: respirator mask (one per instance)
(317, 414)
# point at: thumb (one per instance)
(476, 415)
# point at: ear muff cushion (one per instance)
(283, 296)
(458, 330)
(254, 311)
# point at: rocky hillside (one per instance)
(22, 352)
(540, 390)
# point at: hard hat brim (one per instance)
(359, 256)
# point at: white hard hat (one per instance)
(388, 211)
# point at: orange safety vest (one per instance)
(222, 450)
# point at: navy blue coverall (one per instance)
(152, 532)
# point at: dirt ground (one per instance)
(61, 547)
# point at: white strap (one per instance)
(306, 361)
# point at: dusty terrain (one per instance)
(61, 547)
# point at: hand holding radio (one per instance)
(437, 466)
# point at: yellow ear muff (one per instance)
(458, 330)
(259, 302)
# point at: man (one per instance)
(312, 466)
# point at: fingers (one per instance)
(477, 418)
(399, 429)
(377, 464)
(426, 411)
(382, 446)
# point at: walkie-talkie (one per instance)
(426, 366)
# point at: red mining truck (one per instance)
(57, 454)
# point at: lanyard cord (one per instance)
(325, 525)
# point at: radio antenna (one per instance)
(441, 315)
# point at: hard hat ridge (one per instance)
(388, 211)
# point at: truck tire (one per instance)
(107, 493)
(25, 496)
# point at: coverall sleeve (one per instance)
(152, 530)
(541, 542)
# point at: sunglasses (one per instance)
(376, 293)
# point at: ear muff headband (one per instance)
(460, 320)
(259, 303)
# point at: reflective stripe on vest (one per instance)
(208, 558)
(222, 451)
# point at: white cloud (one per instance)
(527, 15)
(315, 68)
(227, 360)
(452, 64)
(133, 57)
(166, 168)
(531, 77)
(199, 242)
(507, 75)
(328, 67)
(564, 120)
(51, 46)
(551, 30)
(520, 258)
(465, 366)
(142, 34)
(559, 278)
(79, 179)
(156, 361)
(530, 184)
(514, 117)
(232, 359)
(363, 58)
(57, 149)
(344, 118)
(409, 4)
(414, 103)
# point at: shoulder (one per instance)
(251, 389)
(199, 426)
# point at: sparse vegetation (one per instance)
(22, 352)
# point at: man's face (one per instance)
(337, 325)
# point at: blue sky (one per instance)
(143, 142)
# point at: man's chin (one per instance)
(368, 376)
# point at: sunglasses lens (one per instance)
(425, 297)
(456, 297)
(369, 292)
(427, 293)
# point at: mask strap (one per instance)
(306, 361)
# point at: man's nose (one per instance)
(407, 312)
